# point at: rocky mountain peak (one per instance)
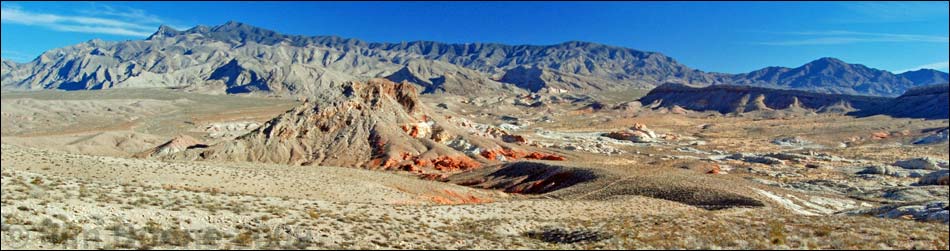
(234, 26)
(199, 29)
(832, 75)
(295, 65)
(828, 64)
(164, 31)
(829, 61)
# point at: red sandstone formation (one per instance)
(452, 198)
(509, 154)
(459, 163)
(542, 156)
(714, 170)
(880, 135)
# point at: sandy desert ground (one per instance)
(706, 181)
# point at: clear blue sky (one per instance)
(712, 36)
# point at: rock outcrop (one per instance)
(927, 102)
(536, 79)
(178, 144)
(638, 133)
(441, 77)
(924, 211)
(739, 99)
(891, 171)
(936, 137)
(376, 125)
(926, 163)
(935, 178)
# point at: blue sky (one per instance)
(727, 37)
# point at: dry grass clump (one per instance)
(58, 233)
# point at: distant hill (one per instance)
(739, 99)
(830, 75)
(926, 77)
(927, 102)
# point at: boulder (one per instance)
(880, 135)
(940, 137)
(935, 211)
(638, 133)
(875, 170)
(939, 177)
(926, 163)
(890, 171)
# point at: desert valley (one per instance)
(238, 137)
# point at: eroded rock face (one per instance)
(740, 99)
(927, 102)
(926, 211)
(378, 125)
(629, 107)
(489, 131)
(175, 145)
(230, 129)
(890, 171)
(507, 154)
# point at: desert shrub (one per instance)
(176, 237)
(776, 233)
(59, 234)
(823, 231)
(211, 237)
(244, 239)
(313, 214)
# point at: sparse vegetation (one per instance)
(118, 202)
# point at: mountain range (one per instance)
(239, 58)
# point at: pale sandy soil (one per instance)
(72, 184)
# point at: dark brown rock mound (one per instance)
(526, 177)
(584, 183)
